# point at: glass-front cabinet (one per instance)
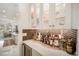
(39, 15)
(53, 15)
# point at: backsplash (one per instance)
(30, 33)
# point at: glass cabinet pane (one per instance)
(37, 13)
(60, 10)
(45, 16)
(60, 13)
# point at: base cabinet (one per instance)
(35, 53)
(28, 51)
(9, 51)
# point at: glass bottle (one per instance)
(50, 39)
(56, 40)
(71, 46)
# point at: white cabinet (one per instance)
(60, 10)
(35, 53)
(4, 51)
(27, 51)
(58, 16)
(14, 51)
(68, 14)
(9, 51)
(75, 21)
(63, 15)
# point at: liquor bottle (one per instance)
(51, 40)
(48, 41)
(45, 39)
(71, 46)
(56, 40)
(42, 38)
(39, 36)
(61, 38)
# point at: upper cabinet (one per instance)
(53, 15)
(45, 15)
(35, 14)
(60, 10)
(63, 15)
(39, 15)
(60, 15)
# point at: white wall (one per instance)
(68, 16)
(75, 15)
(75, 21)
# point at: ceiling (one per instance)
(8, 10)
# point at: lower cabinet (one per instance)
(35, 53)
(28, 51)
(9, 51)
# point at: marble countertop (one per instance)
(45, 50)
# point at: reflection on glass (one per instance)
(45, 16)
(60, 9)
(35, 14)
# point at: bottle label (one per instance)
(50, 42)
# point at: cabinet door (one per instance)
(9, 51)
(5, 51)
(27, 50)
(35, 53)
(14, 49)
(63, 15)
(60, 15)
